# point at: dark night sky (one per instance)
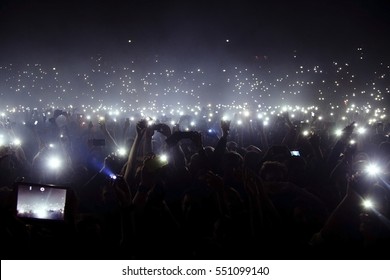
(190, 28)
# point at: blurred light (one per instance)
(361, 130)
(54, 162)
(122, 151)
(17, 142)
(339, 132)
(373, 169)
(368, 204)
(164, 158)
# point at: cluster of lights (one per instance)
(155, 89)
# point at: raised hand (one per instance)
(141, 127)
(225, 127)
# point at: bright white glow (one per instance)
(192, 123)
(352, 142)
(373, 169)
(305, 133)
(239, 122)
(17, 142)
(163, 158)
(246, 113)
(338, 132)
(122, 151)
(41, 213)
(54, 162)
(361, 130)
(368, 204)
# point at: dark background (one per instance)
(191, 30)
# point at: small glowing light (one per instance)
(17, 142)
(239, 122)
(164, 158)
(122, 151)
(54, 162)
(368, 204)
(361, 130)
(246, 113)
(352, 142)
(150, 122)
(113, 176)
(192, 123)
(305, 133)
(51, 145)
(338, 132)
(373, 169)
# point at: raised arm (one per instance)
(131, 160)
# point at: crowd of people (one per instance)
(146, 188)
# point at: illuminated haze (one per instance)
(154, 53)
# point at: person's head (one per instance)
(231, 146)
(278, 153)
(296, 166)
(252, 161)
(273, 171)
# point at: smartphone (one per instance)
(295, 153)
(40, 202)
(97, 142)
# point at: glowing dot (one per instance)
(368, 204)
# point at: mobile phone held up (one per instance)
(41, 202)
(295, 153)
